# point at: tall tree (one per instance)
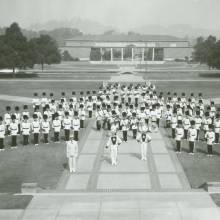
(15, 47)
(45, 50)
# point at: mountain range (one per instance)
(92, 27)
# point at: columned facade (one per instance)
(129, 54)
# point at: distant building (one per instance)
(128, 48)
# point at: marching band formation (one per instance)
(128, 108)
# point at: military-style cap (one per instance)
(210, 126)
(13, 117)
(25, 117)
(8, 108)
(192, 122)
(207, 114)
(124, 114)
(45, 116)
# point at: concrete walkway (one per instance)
(126, 206)
(161, 171)
(12, 98)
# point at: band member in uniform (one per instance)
(192, 133)
(82, 115)
(56, 125)
(174, 123)
(144, 139)
(210, 139)
(18, 118)
(186, 124)
(113, 142)
(98, 118)
(2, 134)
(72, 153)
(7, 119)
(13, 128)
(36, 129)
(198, 123)
(45, 128)
(179, 134)
(76, 126)
(217, 128)
(125, 126)
(67, 124)
(25, 129)
(134, 125)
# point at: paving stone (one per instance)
(132, 146)
(169, 181)
(94, 134)
(124, 181)
(156, 136)
(126, 163)
(82, 216)
(76, 208)
(77, 181)
(8, 214)
(160, 213)
(85, 163)
(91, 146)
(164, 163)
(123, 215)
(46, 202)
(119, 205)
(158, 146)
(36, 214)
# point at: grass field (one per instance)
(199, 168)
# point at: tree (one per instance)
(203, 50)
(15, 48)
(66, 56)
(45, 50)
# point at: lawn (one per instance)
(199, 168)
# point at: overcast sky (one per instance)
(122, 14)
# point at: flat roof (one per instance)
(127, 38)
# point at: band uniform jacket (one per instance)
(72, 149)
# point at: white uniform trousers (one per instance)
(143, 151)
(72, 164)
(114, 154)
